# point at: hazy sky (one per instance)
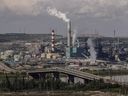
(87, 16)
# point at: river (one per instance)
(122, 78)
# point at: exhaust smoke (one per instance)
(92, 51)
(58, 14)
(62, 16)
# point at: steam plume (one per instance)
(92, 51)
(58, 14)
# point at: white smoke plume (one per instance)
(58, 14)
(92, 51)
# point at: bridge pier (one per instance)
(70, 79)
(56, 75)
(86, 81)
(42, 76)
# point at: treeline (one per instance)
(21, 83)
(27, 37)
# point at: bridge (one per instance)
(40, 73)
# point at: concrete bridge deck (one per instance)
(72, 72)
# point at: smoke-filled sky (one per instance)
(87, 16)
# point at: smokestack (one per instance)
(53, 40)
(69, 34)
(74, 38)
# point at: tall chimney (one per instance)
(53, 40)
(69, 34)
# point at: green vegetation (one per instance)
(21, 82)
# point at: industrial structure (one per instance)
(72, 50)
(53, 41)
(37, 74)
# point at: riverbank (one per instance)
(60, 93)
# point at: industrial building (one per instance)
(73, 50)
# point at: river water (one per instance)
(122, 78)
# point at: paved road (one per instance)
(5, 68)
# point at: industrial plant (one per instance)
(92, 52)
(55, 62)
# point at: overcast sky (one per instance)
(87, 16)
